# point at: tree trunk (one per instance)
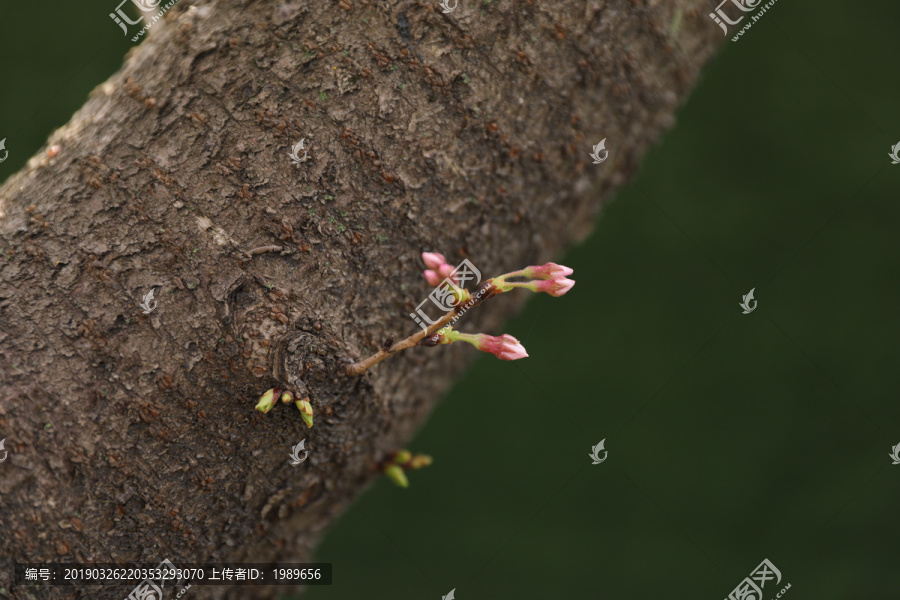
(133, 437)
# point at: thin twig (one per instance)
(485, 291)
(358, 368)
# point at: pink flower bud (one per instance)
(433, 260)
(432, 278)
(445, 271)
(548, 271)
(555, 287)
(505, 347)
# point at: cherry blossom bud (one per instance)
(432, 277)
(396, 475)
(445, 271)
(555, 287)
(420, 460)
(402, 457)
(433, 260)
(267, 401)
(306, 411)
(547, 271)
(505, 347)
(287, 397)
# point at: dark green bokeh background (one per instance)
(731, 437)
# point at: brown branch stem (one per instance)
(485, 291)
(360, 367)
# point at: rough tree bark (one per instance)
(134, 437)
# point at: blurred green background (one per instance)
(732, 438)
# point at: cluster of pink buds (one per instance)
(549, 278)
(438, 268)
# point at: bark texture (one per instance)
(133, 437)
